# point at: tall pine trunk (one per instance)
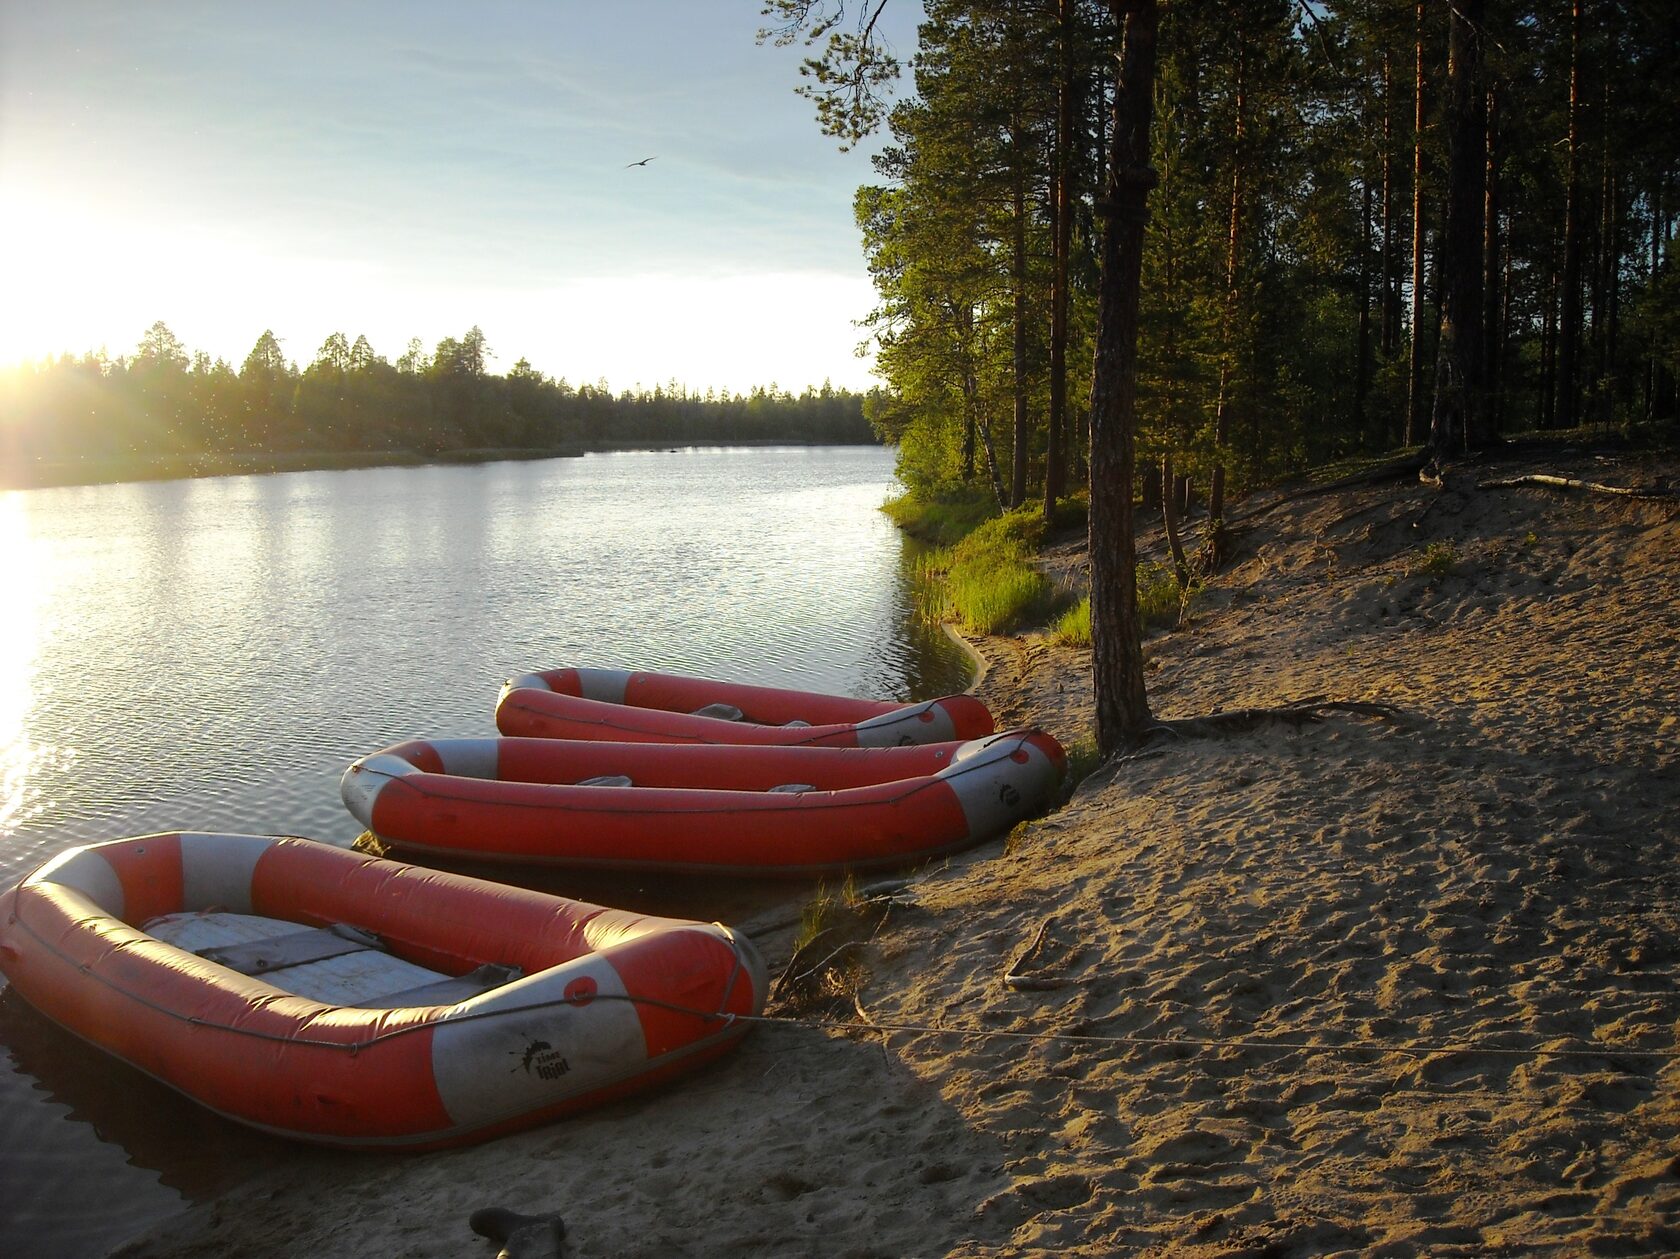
(1414, 390)
(1493, 307)
(1116, 638)
(1456, 424)
(1233, 236)
(1018, 276)
(1362, 348)
(1569, 318)
(1390, 295)
(1053, 454)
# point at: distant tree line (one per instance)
(1305, 256)
(164, 403)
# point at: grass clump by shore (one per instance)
(989, 583)
(1161, 605)
(825, 972)
(940, 521)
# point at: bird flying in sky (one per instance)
(643, 162)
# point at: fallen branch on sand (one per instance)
(1027, 981)
(1570, 483)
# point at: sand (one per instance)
(1371, 986)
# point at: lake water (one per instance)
(210, 654)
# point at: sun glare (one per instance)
(79, 280)
(22, 571)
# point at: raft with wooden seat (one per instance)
(325, 995)
(626, 706)
(760, 810)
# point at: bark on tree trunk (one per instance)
(1653, 361)
(1456, 424)
(1221, 420)
(1414, 391)
(1169, 518)
(962, 317)
(1492, 303)
(1053, 454)
(1362, 348)
(1018, 481)
(1569, 320)
(1116, 638)
(1388, 317)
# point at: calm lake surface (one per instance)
(210, 654)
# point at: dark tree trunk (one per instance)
(1493, 308)
(1414, 391)
(1018, 269)
(1390, 288)
(1549, 347)
(1569, 319)
(1456, 424)
(1169, 520)
(1062, 246)
(1233, 237)
(1609, 246)
(962, 322)
(1362, 348)
(1116, 637)
(1653, 361)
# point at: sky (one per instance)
(405, 168)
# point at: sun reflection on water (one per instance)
(23, 567)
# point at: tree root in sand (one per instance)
(1244, 720)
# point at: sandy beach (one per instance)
(1402, 984)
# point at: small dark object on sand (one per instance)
(520, 1236)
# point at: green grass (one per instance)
(828, 908)
(941, 521)
(1161, 603)
(1435, 560)
(990, 585)
(1083, 759)
(1074, 627)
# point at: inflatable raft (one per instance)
(745, 810)
(622, 706)
(324, 995)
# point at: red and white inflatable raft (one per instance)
(623, 706)
(321, 994)
(744, 810)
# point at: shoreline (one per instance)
(1405, 986)
(191, 467)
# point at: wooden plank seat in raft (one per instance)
(340, 964)
(329, 996)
